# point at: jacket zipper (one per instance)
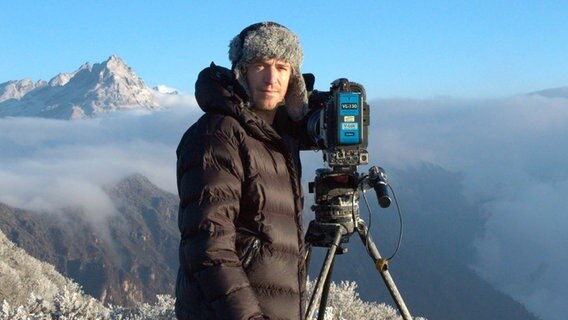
(251, 252)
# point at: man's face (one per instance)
(268, 82)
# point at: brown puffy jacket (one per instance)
(241, 251)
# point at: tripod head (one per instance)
(337, 194)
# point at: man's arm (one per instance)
(209, 174)
(209, 187)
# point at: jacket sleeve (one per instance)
(210, 173)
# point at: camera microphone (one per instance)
(378, 180)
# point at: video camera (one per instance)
(339, 125)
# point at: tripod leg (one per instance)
(325, 293)
(324, 274)
(308, 256)
(376, 256)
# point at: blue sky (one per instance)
(417, 49)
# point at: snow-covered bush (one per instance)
(162, 310)
(71, 303)
(31, 289)
(343, 303)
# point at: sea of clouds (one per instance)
(511, 151)
(513, 154)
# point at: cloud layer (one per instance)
(46, 165)
(512, 153)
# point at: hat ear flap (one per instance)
(296, 97)
(241, 77)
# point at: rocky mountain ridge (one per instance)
(89, 91)
(128, 259)
(559, 92)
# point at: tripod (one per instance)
(336, 219)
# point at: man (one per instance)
(238, 172)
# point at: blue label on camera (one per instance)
(349, 119)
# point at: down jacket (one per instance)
(240, 217)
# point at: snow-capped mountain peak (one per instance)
(89, 91)
(115, 63)
(163, 89)
(64, 77)
(16, 89)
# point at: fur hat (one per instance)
(270, 40)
